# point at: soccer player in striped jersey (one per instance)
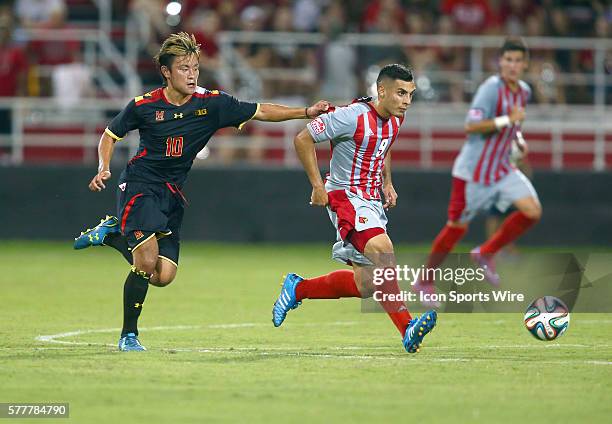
(361, 136)
(483, 174)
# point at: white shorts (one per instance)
(350, 213)
(469, 198)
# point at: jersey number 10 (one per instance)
(174, 146)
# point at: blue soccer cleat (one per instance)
(129, 343)
(286, 300)
(95, 236)
(417, 329)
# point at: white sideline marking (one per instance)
(53, 338)
(302, 351)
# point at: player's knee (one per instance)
(457, 224)
(146, 264)
(533, 213)
(164, 281)
(165, 276)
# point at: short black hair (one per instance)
(514, 44)
(395, 71)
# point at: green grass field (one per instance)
(214, 355)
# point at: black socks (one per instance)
(134, 293)
(119, 242)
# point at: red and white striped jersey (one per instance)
(360, 140)
(485, 158)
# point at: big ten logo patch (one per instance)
(159, 115)
(138, 234)
(363, 220)
(317, 126)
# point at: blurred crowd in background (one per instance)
(35, 67)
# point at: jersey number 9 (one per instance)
(383, 146)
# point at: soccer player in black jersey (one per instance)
(175, 122)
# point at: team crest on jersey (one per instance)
(363, 220)
(317, 126)
(201, 112)
(159, 115)
(138, 234)
(475, 114)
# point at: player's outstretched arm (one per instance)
(305, 148)
(388, 189)
(276, 113)
(106, 146)
(487, 126)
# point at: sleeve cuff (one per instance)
(256, 110)
(112, 134)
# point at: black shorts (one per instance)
(151, 210)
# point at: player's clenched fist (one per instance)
(390, 196)
(318, 108)
(319, 197)
(97, 182)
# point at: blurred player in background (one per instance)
(175, 122)
(483, 174)
(361, 136)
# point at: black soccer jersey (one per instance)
(171, 136)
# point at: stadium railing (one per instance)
(560, 136)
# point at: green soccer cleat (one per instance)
(95, 236)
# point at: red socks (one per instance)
(338, 284)
(334, 285)
(443, 244)
(396, 309)
(512, 227)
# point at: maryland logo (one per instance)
(363, 220)
(159, 115)
(178, 115)
(138, 234)
(201, 112)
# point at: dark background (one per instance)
(256, 205)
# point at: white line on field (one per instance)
(302, 351)
(53, 338)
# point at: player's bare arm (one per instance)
(517, 114)
(276, 113)
(387, 188)
(305, 149)
(106, 146)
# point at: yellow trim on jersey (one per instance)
(168, 259)
(256, 110)
(140, 244)
(162, 234)
(140, 98)
(112, 134)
